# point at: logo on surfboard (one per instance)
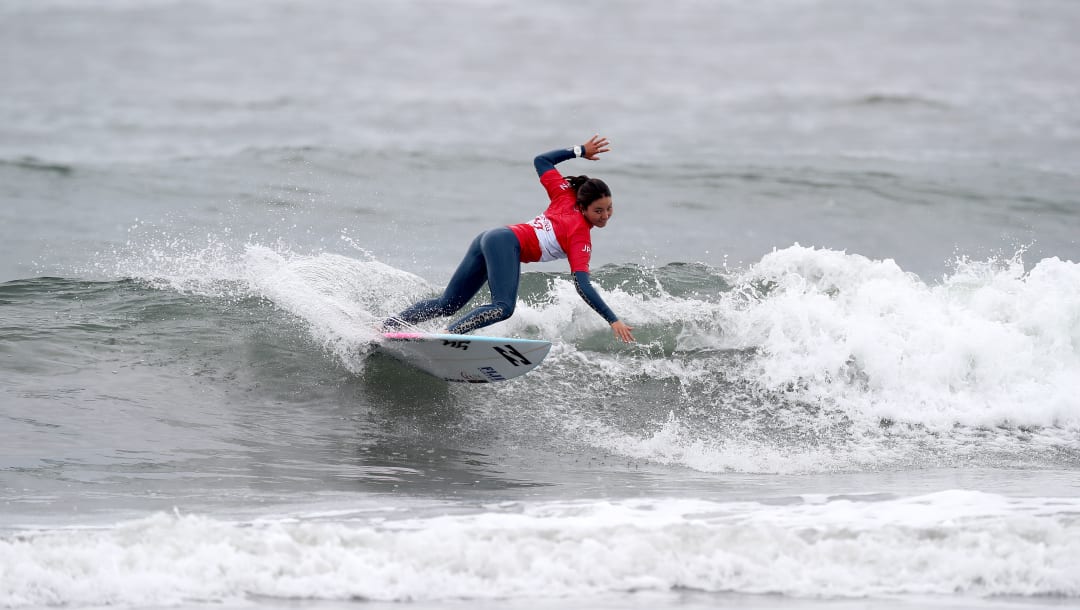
(512, 355)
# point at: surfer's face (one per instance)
(599, 211)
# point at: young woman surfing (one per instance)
(578, 204)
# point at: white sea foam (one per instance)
(991, 344)
(984, 364)
(945, 543)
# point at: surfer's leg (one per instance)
(502, 254)
(465, 283)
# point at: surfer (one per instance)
(578, 204)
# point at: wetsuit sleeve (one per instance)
(589, 295)
(558, 189)
(546, 162)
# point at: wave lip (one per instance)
(946, 543)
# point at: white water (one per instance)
(969, 543)
(991, 344)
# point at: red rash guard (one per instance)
(560, 232)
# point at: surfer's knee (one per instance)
(503, 309)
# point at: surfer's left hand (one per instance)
(596, 145)
(622, 331)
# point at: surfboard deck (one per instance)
(465, 358)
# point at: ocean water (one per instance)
(846, 235)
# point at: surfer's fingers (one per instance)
(599, 142)
(595, 154)
(622, 331)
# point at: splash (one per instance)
(338, 298)
(991, 344)
(819, 360)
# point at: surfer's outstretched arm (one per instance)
(590, 150)
(592, 298)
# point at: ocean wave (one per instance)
(946, 543)
(808, 360)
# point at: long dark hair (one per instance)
(588, 190)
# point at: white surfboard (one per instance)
(465, 358)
